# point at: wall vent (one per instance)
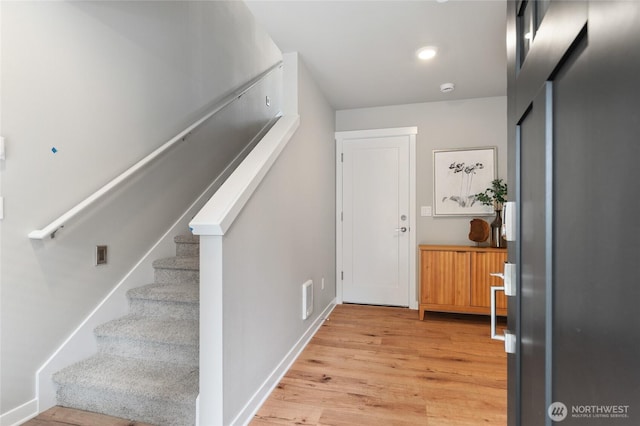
(307, 299)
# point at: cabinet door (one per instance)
(482, 265)
(445, 278)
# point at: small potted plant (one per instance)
(495, 196)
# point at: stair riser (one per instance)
(155, 308)
(185, 276)
(183, 249)
(147, 410)
(153, 351)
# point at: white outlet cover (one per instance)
(425, 211)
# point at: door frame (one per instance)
(340, 138)
(525, 80)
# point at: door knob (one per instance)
(403, 229)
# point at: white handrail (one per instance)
(59, 223)
(218, 214)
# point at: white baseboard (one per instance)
(255, 402)
(20, 414)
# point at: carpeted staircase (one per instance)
(146, 368)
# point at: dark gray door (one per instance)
(574, 147)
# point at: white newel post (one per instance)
(211, 331)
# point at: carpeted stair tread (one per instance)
(160, 380)
(161, 330)
(187, 239)
(171, 292)
(191, 263)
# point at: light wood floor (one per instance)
(60, 416)
(382, 366)
(377, 366)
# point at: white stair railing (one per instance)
(59, 223)
(211, 223)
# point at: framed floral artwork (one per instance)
(459, 174)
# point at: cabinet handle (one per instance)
(494, 335)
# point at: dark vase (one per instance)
(496, 231)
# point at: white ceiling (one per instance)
(362, 53)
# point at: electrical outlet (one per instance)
(101, 255)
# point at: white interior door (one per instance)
(376, 220)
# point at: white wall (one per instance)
(284, 236)
(105, 83)
(441, 125)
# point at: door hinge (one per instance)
(342, 157)
(342, 275)
(341, 216)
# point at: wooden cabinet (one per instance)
(456, 279)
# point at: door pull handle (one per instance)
(494, 335)
(509, 278)
(507, 337)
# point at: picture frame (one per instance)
(459, 174)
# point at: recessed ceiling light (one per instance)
(427, 52)
(442, 1)
(447, 87)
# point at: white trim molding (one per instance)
(20, 414)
